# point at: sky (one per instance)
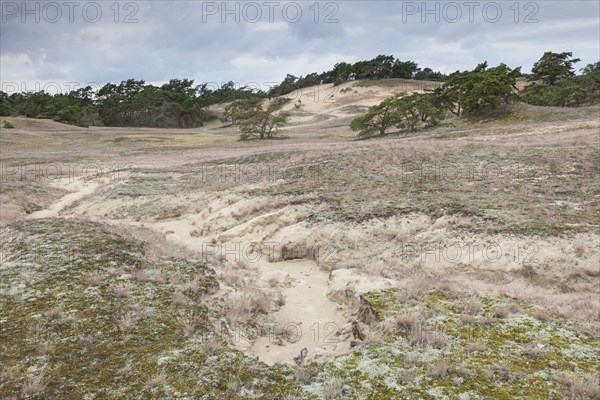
(60, 45)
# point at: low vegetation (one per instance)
(72, 320)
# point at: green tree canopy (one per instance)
(257, 122)
(469, 91)
(553, 66)
(404, 112)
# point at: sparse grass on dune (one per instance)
(532, 188)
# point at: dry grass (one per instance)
(116, 272)
(499, 373)
(158, 379)
(579, 250)
(231, 277)
(579, 389)
(420, 336)
(192, 286)
(175, 279)
(273, 281)
(92, 279)
(585, 272)
(45, 348)
(333, 389)
(463, 371)
(415, 288)
(27, 278)
(471, 307)
(127, 322)
(501, 312)
(374, 335)
(303, 375)
(541, 315)
(122, 292)
(179, 299)
(413, 358)
(439, 369)
(139, 276)
(33, 386)
(7, 375)
(211, 346)
(533, 351)
(35, 329)
(158, 278)
(408, 376)
(477, 347)
(528, 272)
(54, 313)
(585, 390)
(408, 322)
(242, 305)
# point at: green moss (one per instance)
(92, 354)
(502, 371)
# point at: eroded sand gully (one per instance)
(314, 321)
(318, 318)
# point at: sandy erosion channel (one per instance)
(315, 323)
(311, 319)
(317, 327)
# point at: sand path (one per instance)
(79, 188)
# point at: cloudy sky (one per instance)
(260, 42)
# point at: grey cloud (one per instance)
(180, 39)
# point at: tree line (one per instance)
(181, 104)
(176, 104)
(380, 67)
(552, 82)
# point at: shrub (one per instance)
(440, 369)
(33, 386)
(476, 347)
(471, 307)
(158, 379)
(501, 312)
(333, 389)
(541, 315)
(7, 124)
(72, 115)
(419, 336)
(408, 322)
